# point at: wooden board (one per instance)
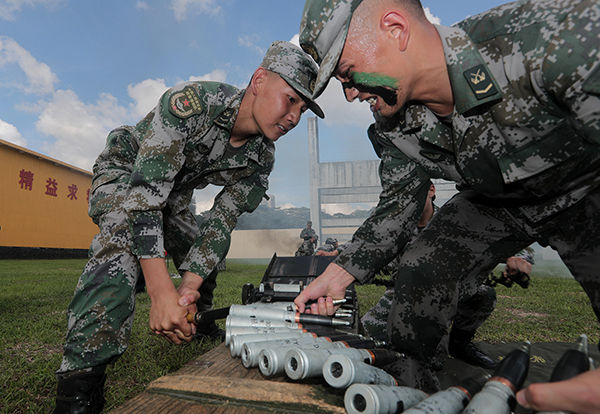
(217, 383)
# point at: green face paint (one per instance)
(381, 85)
(374, 80)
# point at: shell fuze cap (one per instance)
(296, 68)
(323, 32)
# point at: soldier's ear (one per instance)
(259, 80)
(396, 26)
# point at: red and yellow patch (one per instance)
(185, 103)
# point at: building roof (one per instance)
(43, 157)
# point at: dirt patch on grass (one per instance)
(523, 314)
(34, 352)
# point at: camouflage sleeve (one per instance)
(212, 243)
(527, 254)
(158, 161)
(570, 70)
(389, 227)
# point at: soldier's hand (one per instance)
(515, 265)
(188, 289)
(331, 284)
(578, 395)
(324, 253)
(168, 318)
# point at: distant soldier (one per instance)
(309, 237)
(200, 133)
(330, 246)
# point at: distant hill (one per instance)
(288, 218)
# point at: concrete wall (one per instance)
(262, 244)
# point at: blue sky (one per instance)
(70, 71)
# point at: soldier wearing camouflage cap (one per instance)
(200, 133)
(309, 237)
(506, 104)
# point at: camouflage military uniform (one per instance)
(143, 183)
(329, 246)
(307, 248)
(472, 311)
(141, 190)
(523, 146)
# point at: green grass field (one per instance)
(36, 293)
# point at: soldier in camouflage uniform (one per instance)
(309, 237)
(329, 248)
(471, 312)
(506, 104)
(200, 133)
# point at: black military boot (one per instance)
(209, 330)
(81, 392)
(461, 347)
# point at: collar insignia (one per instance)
(433, 156)
(480, 82)
(225, 116)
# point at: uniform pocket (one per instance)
(557, 147)
(108, 192)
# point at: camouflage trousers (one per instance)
(307, 248)
(448, 259)
(100, 315)
(471, 312)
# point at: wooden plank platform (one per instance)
(217, 383)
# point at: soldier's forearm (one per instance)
(192, 280)
(157, 276)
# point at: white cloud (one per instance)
(184, 8)
(80, 129)
(206, 197)
(9, 8)
(40, 77)
(10, 133)
(433, 19)
(295, 39)
(250, 41)
(338, 111)
(344, 208)
(142, 5)
(217, 75)
(146, 95)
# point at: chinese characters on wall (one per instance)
(51, 187)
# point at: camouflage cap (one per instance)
(296, 68)
(323, 31)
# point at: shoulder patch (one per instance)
(185, 103)
(480, 82)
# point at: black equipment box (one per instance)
(286, 277)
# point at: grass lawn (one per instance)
(36, 293)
